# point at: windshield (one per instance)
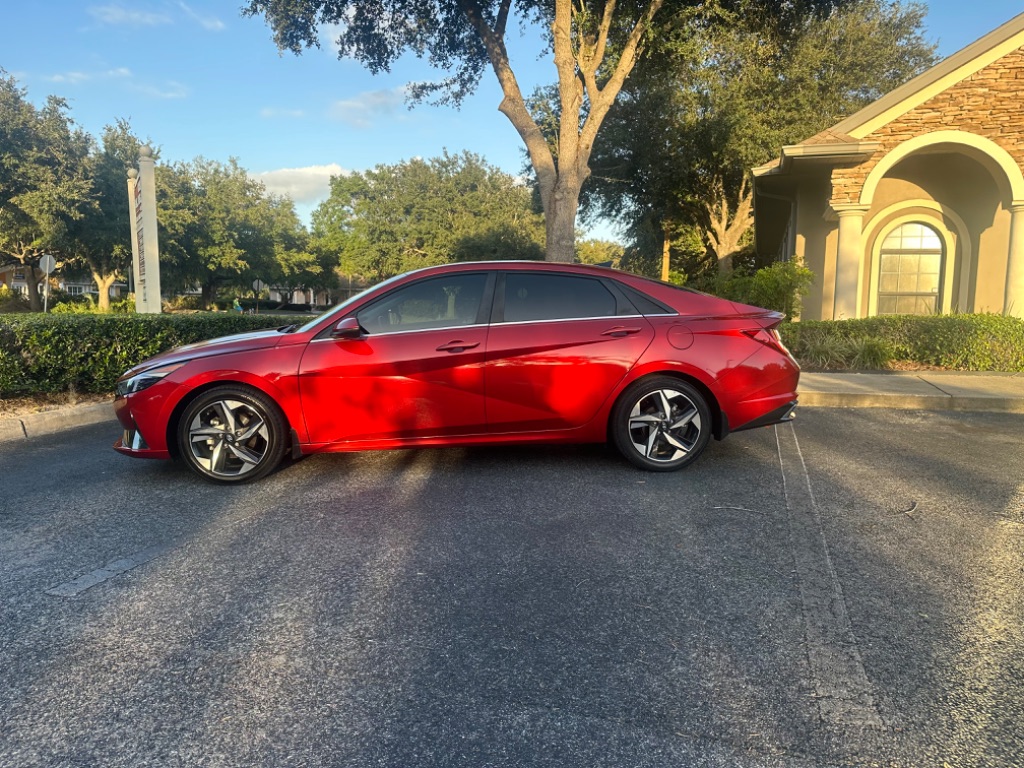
(339, 309)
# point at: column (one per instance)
(849, 261)
(1013, 303)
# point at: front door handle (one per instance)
(620, 330)
(457, 346)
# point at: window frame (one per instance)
(623, 307)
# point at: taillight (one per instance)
(769, 337)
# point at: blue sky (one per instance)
(198, 79)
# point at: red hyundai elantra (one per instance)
(469, 354)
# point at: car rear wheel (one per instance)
(232, 434)
(661, 423)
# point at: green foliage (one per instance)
(219, 227)
(779, 286)
(420, 213)
(725, 89)
(87, 353)
(87, 305)
(10, 301)
(979, 342)
(593, 251)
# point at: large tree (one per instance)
(44, 182)
(594, 47)
(420, 213)
(219, 227)
(724, 94)
(100, 240)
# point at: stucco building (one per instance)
(915, 204)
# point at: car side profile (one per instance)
(469, 354)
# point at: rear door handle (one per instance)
(620, 330)
(457, 346)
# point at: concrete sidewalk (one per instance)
(924, 390)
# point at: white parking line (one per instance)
(842, 688)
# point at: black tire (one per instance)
(653, 439)
(232, 434)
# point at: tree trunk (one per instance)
(666, 252)
(578, 56)
(727, 226)
(35, 302)
(103, 282)
(560, 221)
(207, 295)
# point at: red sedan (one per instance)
(470, 354)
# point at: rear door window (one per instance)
(538, 297)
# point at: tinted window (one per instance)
(645, 303)
(441, 302)
(555, 297)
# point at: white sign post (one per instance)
(47, 264)
(145, 249)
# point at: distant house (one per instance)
(915, 204)
(14, 277)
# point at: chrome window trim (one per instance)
(567, 320)
(512, 322)
(410, 330)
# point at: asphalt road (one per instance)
(845, 591)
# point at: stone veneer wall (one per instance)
(989, 103)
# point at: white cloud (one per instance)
(364, 109)
(170, 89)
(209, 23)
(303, 185)
(76, 77)
(117, 14)
(72, 78)
(272, 112)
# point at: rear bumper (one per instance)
(780, 415)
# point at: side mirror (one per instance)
(348, 328)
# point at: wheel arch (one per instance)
(719, 421)
(171, 434)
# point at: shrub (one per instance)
(87, 352)
(11, 301)
(779, 286)
(979, 342)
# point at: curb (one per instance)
(910, 402)
(34, 425)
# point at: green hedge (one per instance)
(956, 342)
(86, 353)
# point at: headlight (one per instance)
(141, 381)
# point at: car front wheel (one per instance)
(232, 434)
(661, 423)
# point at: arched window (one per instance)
(910, 272)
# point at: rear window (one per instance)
(531, 296)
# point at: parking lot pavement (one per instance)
(843, 590)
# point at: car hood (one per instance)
(239, 342)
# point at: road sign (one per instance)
(47, 263)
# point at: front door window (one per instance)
(910, 272)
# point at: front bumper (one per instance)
(133, 442)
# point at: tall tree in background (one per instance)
(594, 47)
(101, 238)
(44, 182)
(724, 94)
(219, 227)
(420, 213)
